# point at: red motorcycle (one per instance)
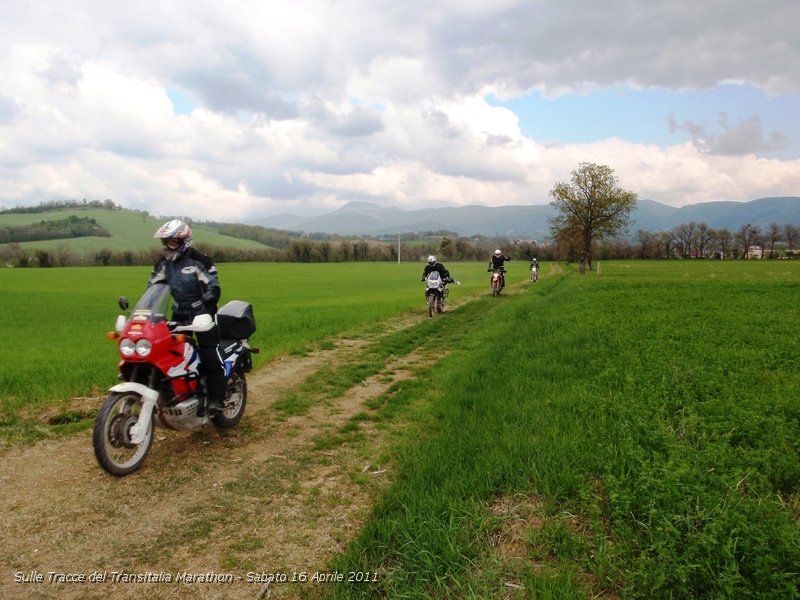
(497, 281)
(162, 379)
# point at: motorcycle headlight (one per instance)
(143, 347)
(127, 347)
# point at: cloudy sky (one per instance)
(245, 108)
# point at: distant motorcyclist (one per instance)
(192, 279)
(434, 265)
(534, 269)
(498, 260)
(496, 263)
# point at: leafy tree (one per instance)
(444, 246)
(590, 207)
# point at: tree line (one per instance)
(690, 240)
(60, 204)
(71, 227)
(591, 211)
(304, 250)
(698, 240)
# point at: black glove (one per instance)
(210, 302)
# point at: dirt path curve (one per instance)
(264, 498)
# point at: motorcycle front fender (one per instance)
(149, 399)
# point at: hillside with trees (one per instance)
(107, 234)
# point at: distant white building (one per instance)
(755, 252)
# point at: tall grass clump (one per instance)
(635, 434)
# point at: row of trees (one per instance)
(43, 207)
(593, 209)
(71, 227)
(698, 240)
(691, 240)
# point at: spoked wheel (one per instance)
(495, 288)
(235, 401)
(431, 304)
(440, 305)
(113, 448)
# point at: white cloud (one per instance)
(305, 105)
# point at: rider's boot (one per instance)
(216, 387)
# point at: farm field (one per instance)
(65, 312)
(633, 434)
(129, 230)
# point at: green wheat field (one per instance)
(633, 432)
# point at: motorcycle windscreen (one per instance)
(154, 303)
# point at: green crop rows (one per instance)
(633, 433)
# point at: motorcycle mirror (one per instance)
(123, 303)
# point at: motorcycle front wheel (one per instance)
(111, 435)
(495, 288)
(235, 401)
(431, 304)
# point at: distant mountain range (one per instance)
(530, 221)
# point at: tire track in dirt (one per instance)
(260, 500)
(265, 497)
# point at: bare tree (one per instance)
(748, 237)
(774, 234)
(592, 207)
(683, 235)
(703, 236)
(723, 239)
(647, 245)
(665, 245)
(792, 233)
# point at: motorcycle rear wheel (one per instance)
(235, 401)
(111, 434)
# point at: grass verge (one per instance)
(633, 434)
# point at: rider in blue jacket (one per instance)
(192, 278)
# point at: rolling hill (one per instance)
(130, 230)
(530, 221)
(133, 230)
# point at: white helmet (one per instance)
(497, 252)
(431, 260)
(175, 236)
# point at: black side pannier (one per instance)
(236, 320)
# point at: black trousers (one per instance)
(211, 360)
